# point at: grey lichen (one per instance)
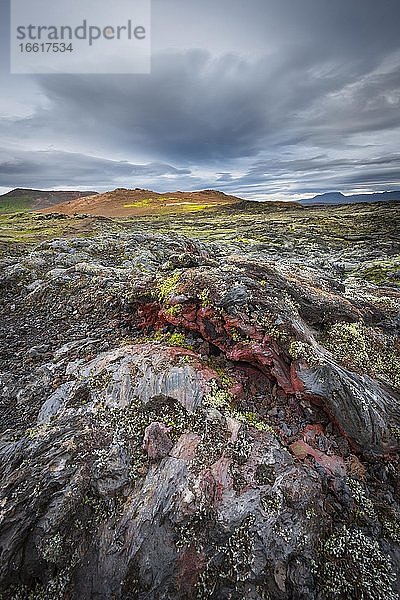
(51, 548)
(354, 566)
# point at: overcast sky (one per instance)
(268, 99)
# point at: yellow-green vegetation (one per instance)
(218, 397)
(249, 241)
(166, 287)
(252, 419)
(204, 297)
(381, 272)
(32, 228)
(15, 204)
(224, 378)
(191, 207)
(165, 205)
(140, 203)
(29, 229)
(171, 339)
(267, 321)
(174, 311)
(331, 227)
(362, 348)
(222, 400)
(39, 431)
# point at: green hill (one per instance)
(22, 200)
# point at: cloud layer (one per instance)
(315, 106)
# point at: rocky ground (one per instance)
(204, 406)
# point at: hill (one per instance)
(21, 199)
(123, 202)
(339, 198)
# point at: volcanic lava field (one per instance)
(201, 403)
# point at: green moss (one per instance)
(172, 339)
(30, 228)
(252, 419)
(224, 378)
(186, 359)
(174, 311)
(380, 272)
(218, 398)
(166, 287)
(195, 207)
(34, 433)
(16, 204)
(223, 401)
(204, 297)
(267, 322)
(248, 241)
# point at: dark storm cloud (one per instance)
(32, 169)
(196, 107)
(193, 107)
(375, 177)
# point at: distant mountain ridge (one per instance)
(23, 199)
(339, 198)
(141, 202)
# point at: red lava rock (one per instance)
(186, 446)
(190, 564)
(311, 432)
(156, 442)
(216, 480)
(297, 384)
(148, 313)
(236, 389)
(333, 464)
